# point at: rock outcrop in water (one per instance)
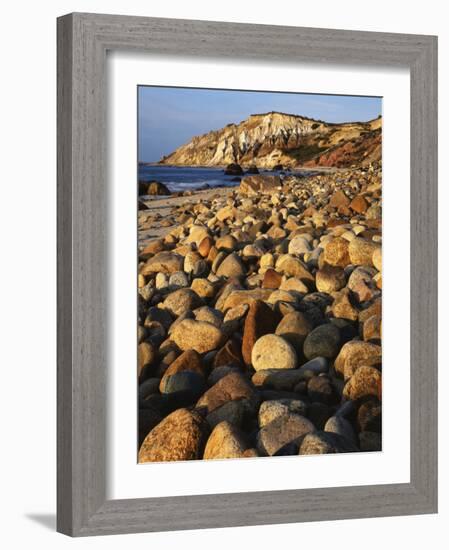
(272, 139)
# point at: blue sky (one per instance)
(170, 117)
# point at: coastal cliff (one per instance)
(274, 138)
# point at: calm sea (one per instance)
(180, 178)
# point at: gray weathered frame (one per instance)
(83, 40)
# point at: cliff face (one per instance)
(277, 138)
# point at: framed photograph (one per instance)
(247, 274)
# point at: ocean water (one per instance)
(180, 178)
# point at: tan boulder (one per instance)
(163, 262)
(257, 184)
(361, 251)
(294, 267)
(356, 353)
(330, 279)
(200, 336)
(225, 441)
(336, 252)
(182, 435)
(366, 381)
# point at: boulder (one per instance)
(366, 381)
(231, 387)
(185, 381)
(188, 361)
(330, 279)
(359, 204)
(293, 267)
(320, 389)
(256, 185)
(157, 188)
(369, 416)
(341, 426)
(356, 353)
(343, 307)
(231, 266)
(260, 320)
(339, 199)
(273, 351)
(200, 336)
(233, 169)
(283, 435)
(377, 258)
(181, 301)
(298, 245)
(270, 410)
(361, 251)
(182, 435)
(323, 443)
(234, 412)
(336, 252)
(271, 279)
(323, 341)
(294, 327)
(225, 441)
(146, 355)
(163, 262)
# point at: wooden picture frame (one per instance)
(83, 40)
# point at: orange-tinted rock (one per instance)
(336, 252)
(260, 320)
(374, 309)
(330, 279)
(366, 381)
(271, 279)
(197, 335)
(182, 435)
(153, 247)
(372, 329)
(361, 251)
(339, 199)
(205, 246)
(225, 441)
(293, 267)
(163, 262)
(354, 354)
(342, 307)
(359, 204)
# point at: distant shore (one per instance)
(223, 166)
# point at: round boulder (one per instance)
(272, 351)
(323, 341)
(200, 336)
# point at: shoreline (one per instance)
(159, 205)
(223, 166)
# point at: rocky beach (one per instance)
(259, 315)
